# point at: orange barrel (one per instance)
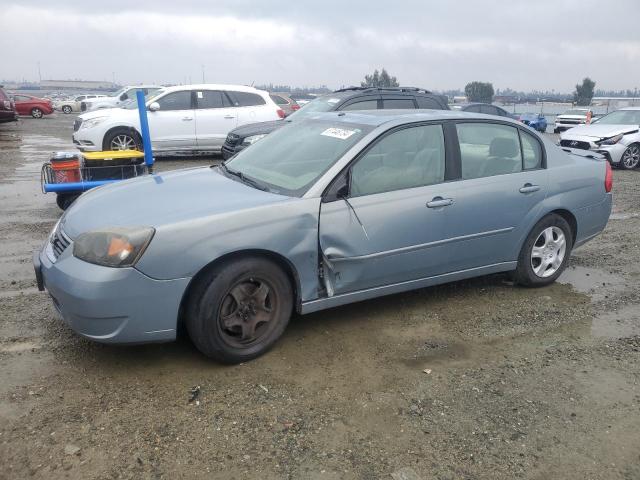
(66, 167)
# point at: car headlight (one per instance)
(253, 139)
(113, 247)
(612, 140)
(92, 122)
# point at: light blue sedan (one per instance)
(335, 209)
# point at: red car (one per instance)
(34, 106)
(7, 108)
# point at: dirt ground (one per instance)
(472, 380)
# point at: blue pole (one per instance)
(75, 186)
(144, 130)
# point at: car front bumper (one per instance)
(613, 153)
(110, 305)
(229, 151)
(561, 127)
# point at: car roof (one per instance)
(213, 86)
(376, 118)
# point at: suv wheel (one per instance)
(122, 139)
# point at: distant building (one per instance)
(76, 85)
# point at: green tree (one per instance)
(379, 79)
(479, 92)
(584, 92)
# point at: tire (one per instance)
(631, 157)
(122, 139)
(66, 109)
(225, 307)
(556, 130)
(64, 200)
(546, 237)
(37, 113)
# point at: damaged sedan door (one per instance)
(383, 221)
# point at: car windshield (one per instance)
(118, 93)
(132, 103)
(621, 117)
(576, 112)
(289, 160)
(321, 104)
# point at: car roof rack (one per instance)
(387, 89)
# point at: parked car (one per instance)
(34, 106)
(285, 102)
(354, 98)
(323, 212)
(187, 118)
(571, 118)
(485, 108)
(615, 135)
(72, 104)
(537, 121)
(7, 108)
(125, 94)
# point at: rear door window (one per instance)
(531, 151)
(246, 99)
(279, 100)
(211, 99)
(488, 149)
(398, 103)
(426, 102)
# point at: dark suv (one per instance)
(7, 108)
(354, 98)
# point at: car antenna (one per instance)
(357, 217)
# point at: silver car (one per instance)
(616, 136)
(335, 209)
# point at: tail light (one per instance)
(280, 113)
(608, 178)
(295, 107)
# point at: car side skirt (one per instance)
(352, 297)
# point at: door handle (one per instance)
(229, 117)
(529, 188)
(440, 202)
(187, 119)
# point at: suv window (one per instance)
(212, 99)
(246, 99)
(403, 103)
(531, 151)
(279, 100)
(426, 102)
(488, 149)
(408, 158)
(362, 105)
(176, 101)
(488, 109)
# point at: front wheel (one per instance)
(545, 252)
(66, 109)
(64, 200)
(236, 311)
(122, 139)
(631, 157)
(36, 113)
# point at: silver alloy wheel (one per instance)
(122, 142)
(631, 157)
(36, 113)
(66, 109)
(548, 252)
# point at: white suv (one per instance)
(187, 118)
(124, 95)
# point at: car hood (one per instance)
(571, 117)
(163, 199)
(258, 128)
(600, 131)
(108, 112)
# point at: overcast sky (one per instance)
(522, 44)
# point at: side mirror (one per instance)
(339, 189)
(123, 97)
(154, 106)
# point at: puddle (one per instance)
(598, 284)
(618, 324)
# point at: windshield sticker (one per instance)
(333, 100)
(200, 96)
(340, 133)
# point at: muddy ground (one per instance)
(535, 384)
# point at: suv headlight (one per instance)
(253, 139)
(113, 247)
(611, 140)
(92, 122)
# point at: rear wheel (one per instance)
(545, 252)
(66, 109)
(64, 200)
(122, 139)
(36, 112)
(631, 157)
(238, 310)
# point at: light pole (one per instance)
(39, 74)
(203, 74)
